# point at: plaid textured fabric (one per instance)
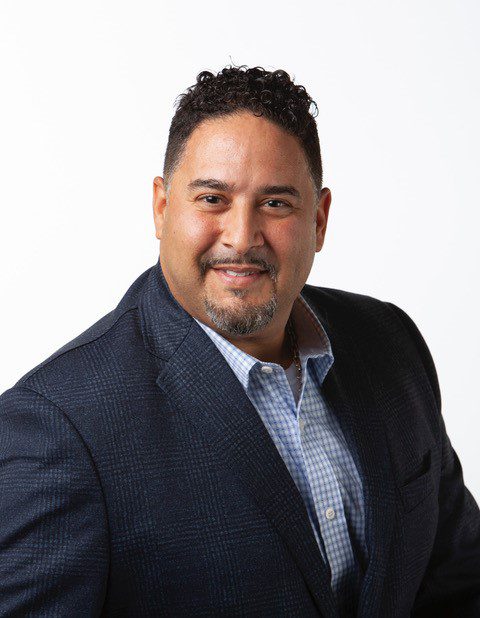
(311, 443)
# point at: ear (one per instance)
(159, 205)
(323, 208)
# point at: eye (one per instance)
(211, 199)
(275, 204)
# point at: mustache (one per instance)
(206, 263)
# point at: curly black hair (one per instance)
(269, 93)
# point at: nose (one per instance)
(242, 228)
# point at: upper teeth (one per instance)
(237, 274)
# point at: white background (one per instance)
(87, 95)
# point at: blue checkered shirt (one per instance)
(311, 443)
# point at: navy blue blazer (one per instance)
(137, 479)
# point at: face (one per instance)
(240, 227)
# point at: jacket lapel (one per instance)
(350, 390)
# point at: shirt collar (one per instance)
(313, 343)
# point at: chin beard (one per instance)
(243, 321)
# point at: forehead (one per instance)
(246, 148)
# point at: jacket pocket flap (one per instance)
(415, 489)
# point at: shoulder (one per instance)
(338, 297)
(96, 360)
(346, 306)
(381, 325)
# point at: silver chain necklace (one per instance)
(296, 355)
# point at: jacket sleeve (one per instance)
(451, 584)
(53, 531)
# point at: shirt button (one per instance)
(329, 513)
(301, 424)
(267, 369)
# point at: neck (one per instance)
(269, 347)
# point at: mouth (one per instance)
(239, 277)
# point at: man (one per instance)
(229, 440)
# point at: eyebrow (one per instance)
(220, 185)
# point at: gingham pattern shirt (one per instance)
(311, 443)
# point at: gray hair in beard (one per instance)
(241, 322)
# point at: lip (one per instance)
(238, 281)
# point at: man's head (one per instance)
(241, 188)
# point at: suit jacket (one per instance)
(137, 479)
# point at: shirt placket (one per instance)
(327, 497)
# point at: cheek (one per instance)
(191, 237)
(200, 235)
(295, 248)
(291, 243)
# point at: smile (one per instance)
(234, 273)
(239, 278)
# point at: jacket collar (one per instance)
(164, 321)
